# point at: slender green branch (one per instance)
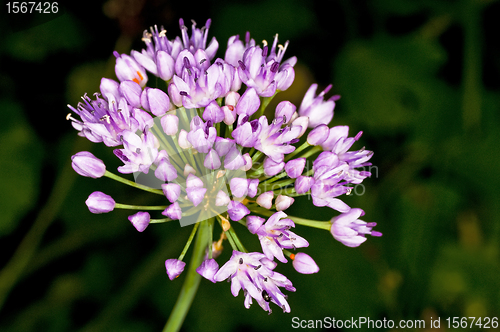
(188, 243)
(132, 183)
(312, 151)
(305, 145)
(191, 283)
(139, 207)
(159, 221)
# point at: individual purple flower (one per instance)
(99, 202)
(170, 124)
(295, 167)
(212, 160)
(132, 92)
(155, 100)
(195, 189)
(213, 113)
(171, 191)
(350, 230)
(339, 143)
(253, 273)
(233, 159)
(127, 69)
(264, 73)
(318, 135)
(173, 211)
(174, 268)
(208, 269)
(158, 57)
(239, 187)
(266, 199)
(86, 164)
(140, 220)
(274, 236)
(237, 211)
(199, 38)
(275, 141)
(236, 48)
(271, 167)
(203, 137)
(252, 187)
(104, 119)
(139, 152)
(303, 263)
(283, 202)
(247, 132)
(316, 108)
(165, 171)
(222, 198)
(303, 184)
(324, 195)
(286, 111)
(223, 145)
(248, 103)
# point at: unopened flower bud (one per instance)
(304, 264)
(99, 202)
(86, 164)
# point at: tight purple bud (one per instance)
(295, 167)
(170, 124)
(156, 101)
(283, 202)
(272, 167)
(239, 187)
(132, 92)
(174, 268)
(208, 269)
(86, 164)
(213, 112)
(266, 199)
(174, 211)
(304, 264)
(140, 220)
(249, 102)
(171, 191)
(318, 135)
(237, 210)
(99, 202)
(303, 184)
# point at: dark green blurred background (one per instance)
(420, 78)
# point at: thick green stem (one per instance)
(191, 283)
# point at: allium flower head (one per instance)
(193, 129)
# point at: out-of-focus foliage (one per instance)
(420, 78)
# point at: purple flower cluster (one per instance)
(214, 155)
